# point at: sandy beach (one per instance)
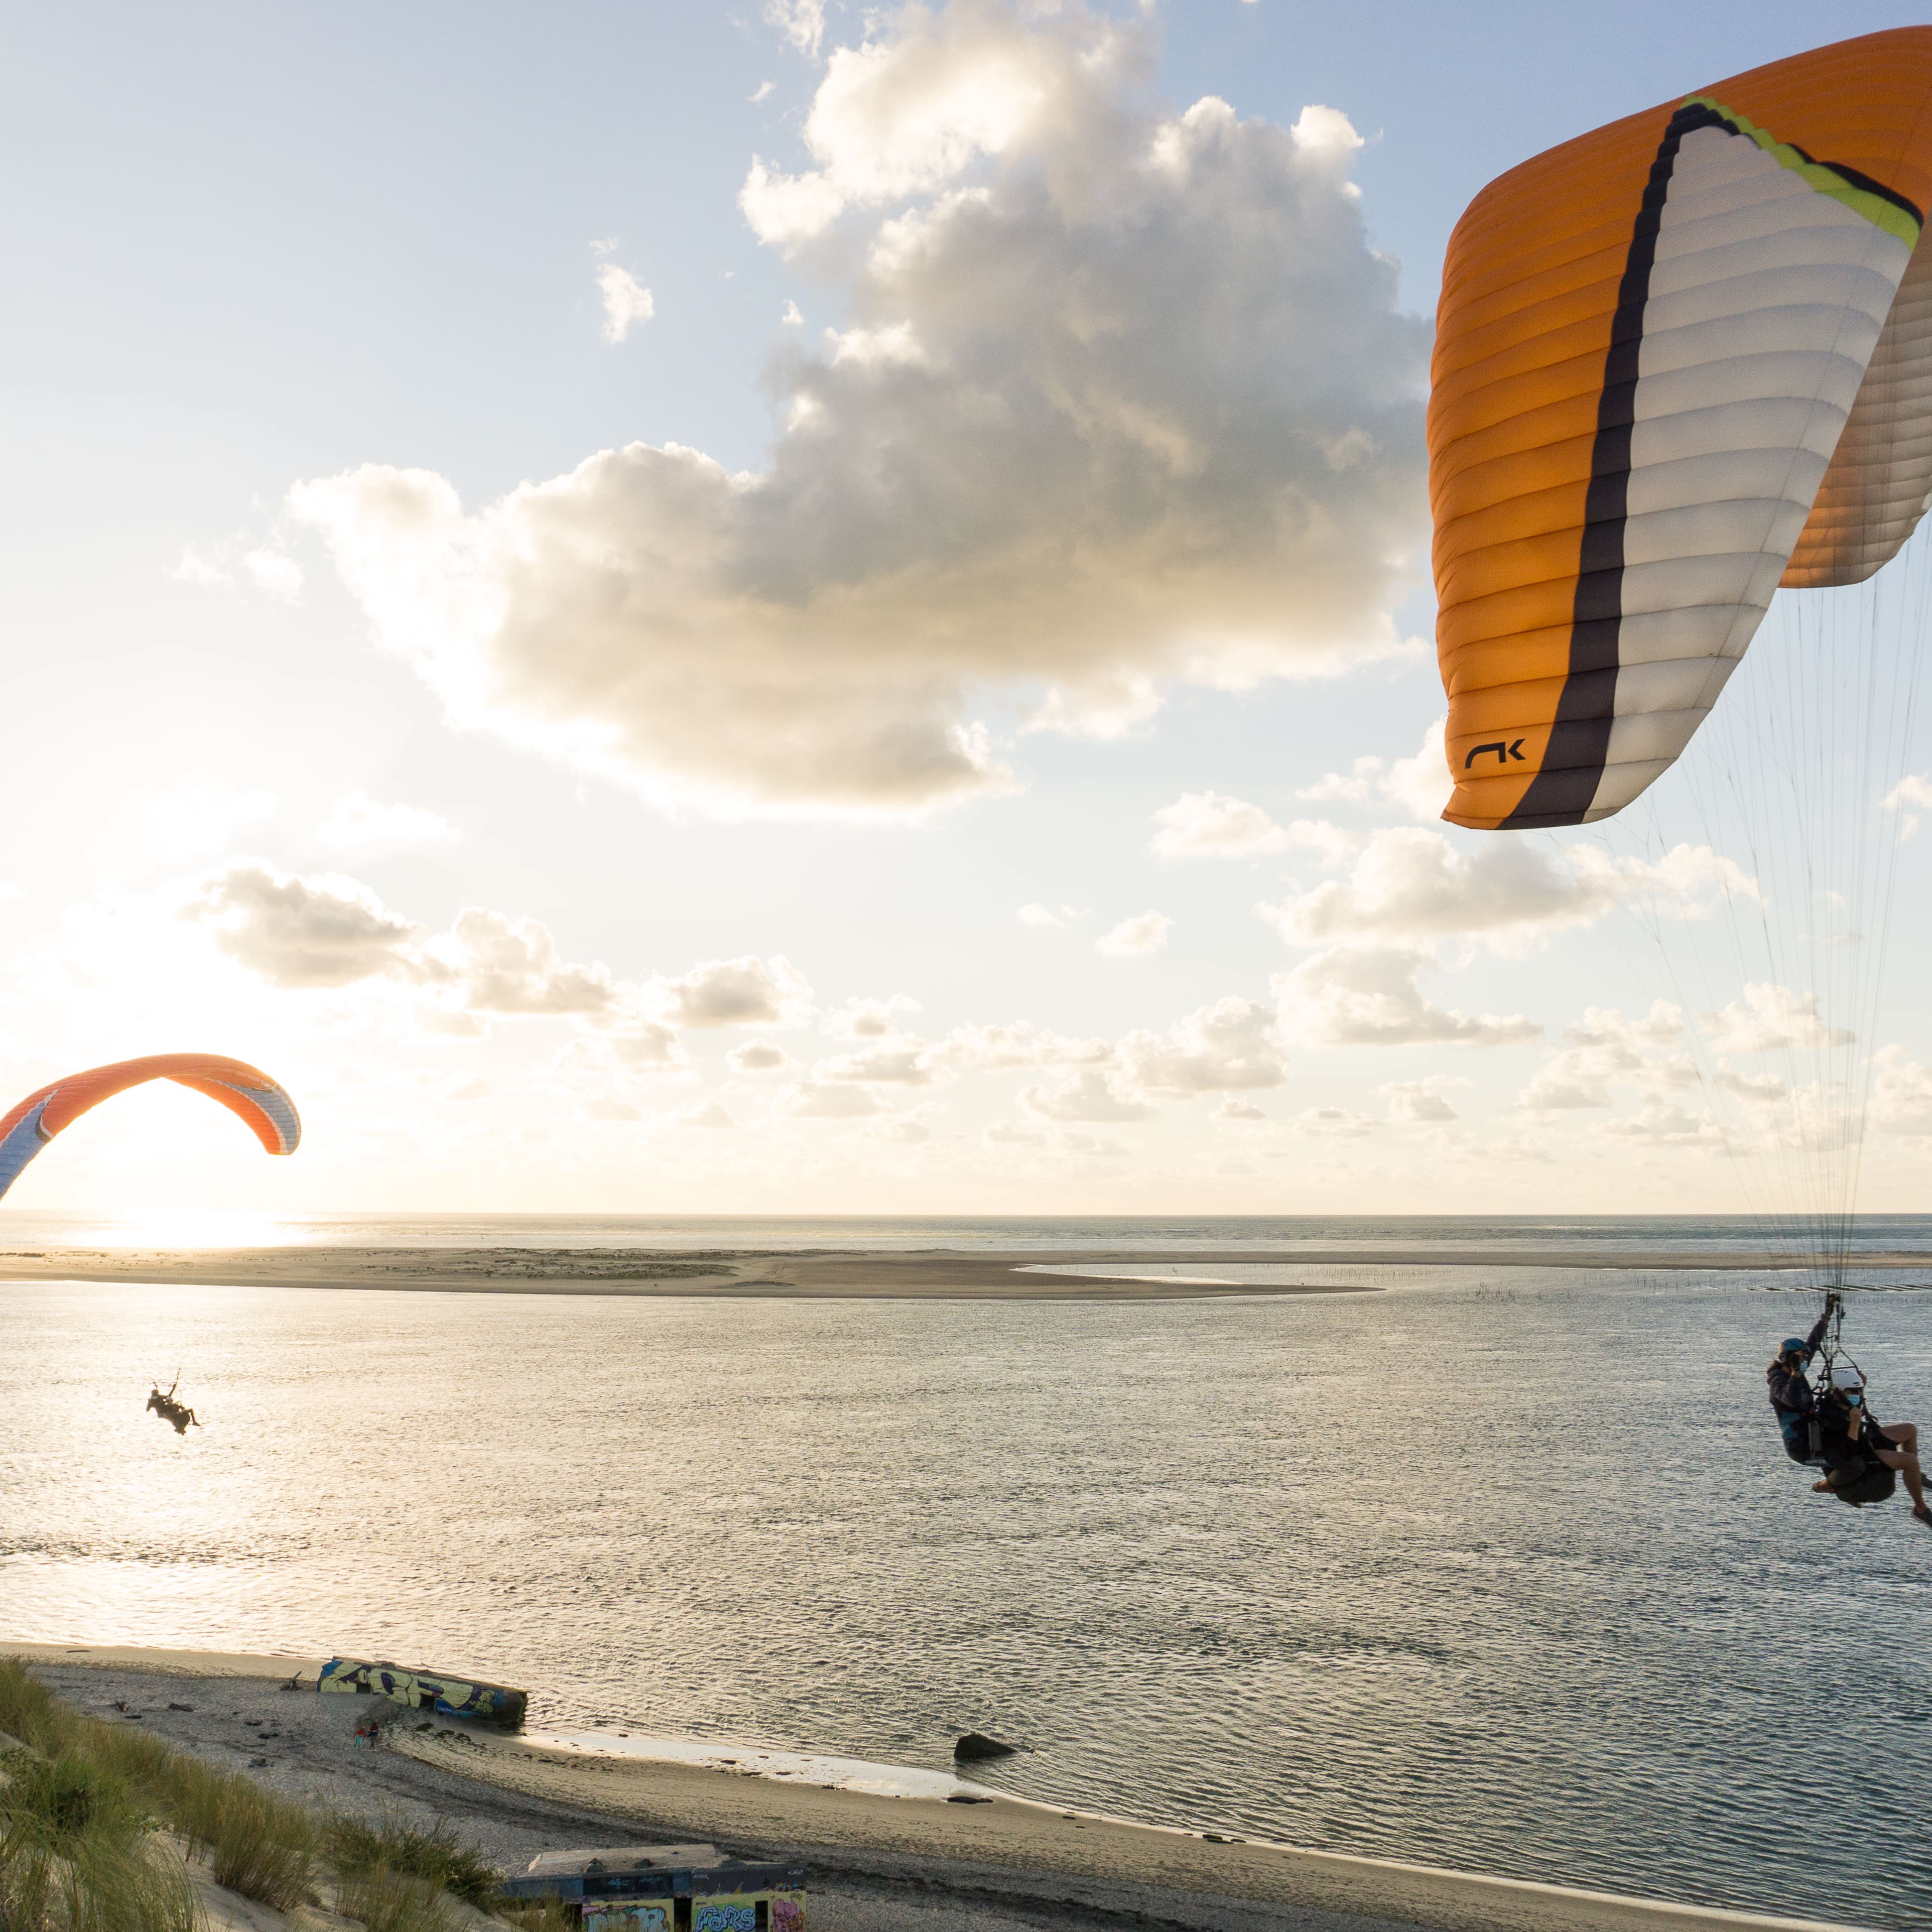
(751, 1274)
(879, 1864)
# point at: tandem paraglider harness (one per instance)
(1856, 1476)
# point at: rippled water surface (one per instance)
(1501, 1568)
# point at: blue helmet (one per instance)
(1794, 1345)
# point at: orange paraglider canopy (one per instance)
(1678, 362)
(245, 1091)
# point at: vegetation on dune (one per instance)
(354, 1846)
(256, 1844)
(80, 1804)
(76, 1854)
(540, 1914)
(393, 1901)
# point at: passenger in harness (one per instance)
(1852, 1439)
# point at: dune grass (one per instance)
(542, 1915)
(78, 1806)
(393, 1901)
(75, 1853)
(437, 1855)
(257, 1844)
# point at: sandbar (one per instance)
(901, 1864)
(752, 1274)
(735, 1275)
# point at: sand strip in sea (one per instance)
(902, 1864)
(749, 1274)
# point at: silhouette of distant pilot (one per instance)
(169, 1410)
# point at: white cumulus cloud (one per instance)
(1419, 785)
(1229, 1045)
(897, 1063)
(869, 1018)
(1088, 1094)
(747, 991)
(626, 301)
(507, 965)
(812, 1099)
(758, 1056)
(1901, 1093)
(1208, 825)
(1766, 1017)
(1911, 791)
(305, 932)
(1124, 398)
(1420, 1100)
(1368, 996)
(1145, 932)
(1001, 1048)
(1410, 886)
(1334, 1123)
(802, 23)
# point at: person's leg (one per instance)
(1904, 1434)
(1907, 1466)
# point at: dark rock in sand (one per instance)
(975, 1747)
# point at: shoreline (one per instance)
(929, 1274)
(1025, 1853)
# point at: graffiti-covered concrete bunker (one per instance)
(426, 1690)
(666, 1888)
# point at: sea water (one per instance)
(1498, 1567)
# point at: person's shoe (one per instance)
(1922, 1514)
(1821, 1489)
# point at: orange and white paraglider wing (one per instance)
(1678, 361)
(245, 1091)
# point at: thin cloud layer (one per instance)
(1413, 887)
(1123, 396)
(1210, 825)
(1368, 996)
(357, 823)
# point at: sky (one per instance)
(794, 609)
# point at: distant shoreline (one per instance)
(750, 1274)
(1005, 1851)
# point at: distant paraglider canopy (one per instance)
(245, 1091)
